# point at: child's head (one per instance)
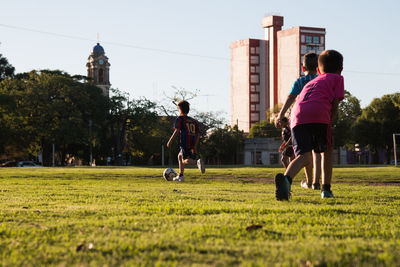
(184, 107)
(330, 61)
(284, 122)
(310, 62)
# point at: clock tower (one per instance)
(98, 69)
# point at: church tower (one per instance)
(98, 69)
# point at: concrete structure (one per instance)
(263, 70)
(98, 69)
(262, 151)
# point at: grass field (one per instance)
(131, 216)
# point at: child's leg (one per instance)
(308, 170)
(189, 161)
(299, 162)
(327, 162)
(181, 163)
(317, 167)
(284, 160)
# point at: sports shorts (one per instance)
(288, 152)
(311, 136)
(187, 153)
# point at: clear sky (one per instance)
(155, 44)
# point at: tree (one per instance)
(52, 107)
(6, 69)
(349, 111)
(222, 145)
(264, 129)
(378, 121)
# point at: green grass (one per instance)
(131, 216)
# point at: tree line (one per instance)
(46, 110)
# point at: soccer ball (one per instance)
(169, 174)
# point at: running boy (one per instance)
(311, 119)
(310, 64)
(189, 131)
(286, 148)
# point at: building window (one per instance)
(254, 78)
(302, 38)
(101, 75)
(257, 107)
(254, 98)
(256, 157)
(253, 107)
(252, 88)
(254, 116)
(273, 158)
(316, 39)
(252, 50)
(311, 48)
(252, 69)
(257, 50)
(254, 60)
(308, 39)
(257, 69)
(257, 88)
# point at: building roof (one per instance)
(98, 48)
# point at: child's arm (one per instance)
(335, 108)
(289, 101)
(172, 137)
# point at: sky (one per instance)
(155, 45)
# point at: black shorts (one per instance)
(288, 152)
(187, 153)
(310, 136)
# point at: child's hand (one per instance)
(282, 147)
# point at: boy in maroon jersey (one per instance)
(189, 131)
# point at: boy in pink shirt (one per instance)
(311, 119)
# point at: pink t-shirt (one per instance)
(314, 103)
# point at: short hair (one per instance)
(184, 106)
(330, 61)
(285, 120)
(310, 61)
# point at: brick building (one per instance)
(263, 70)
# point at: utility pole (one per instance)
(90, 144)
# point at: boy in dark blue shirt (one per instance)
(189, 131)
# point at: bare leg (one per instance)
(284, 161)
(308, 170)
(327, 162)
(317, 167)
(299, 162)
(181, 164)
(189, 161)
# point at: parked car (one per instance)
(28, 164)
(9, 164)
(392, 162)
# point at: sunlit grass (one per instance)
(131, 216)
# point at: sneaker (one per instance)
(179, 178)
(200, 165)
(327, 194)
(304, 185)
(282, 190)
(316, 186)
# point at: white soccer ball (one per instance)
(169, 174)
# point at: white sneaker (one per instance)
(179, 178)
(200, 165)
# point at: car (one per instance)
(28, 164)
(392, 162)
(9, 164)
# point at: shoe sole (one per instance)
(280, 182)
